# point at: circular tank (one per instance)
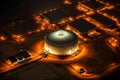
(61, 42)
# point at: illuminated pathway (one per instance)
(75, 70)
(79, 54)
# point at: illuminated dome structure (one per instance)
(61, 43)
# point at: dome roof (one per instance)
(61, 38)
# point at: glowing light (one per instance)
(67, 2)
(38, 30)
(18, 38)
(93, 33)
(82, 7)
(113, 42)
(53, 24)
(61, 34)
(37, 18)
(70, 19)
(10, 63)
(42, 27)
(30, 32)
(39, 47)
(62, 22)
(2, 38)
(76, 67)
(68, 28)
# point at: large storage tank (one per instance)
(61, 42)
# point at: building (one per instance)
(56, 15)
(61, 42)
(82, 25)
(108, 23)
(93, 4)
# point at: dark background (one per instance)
(11, 10)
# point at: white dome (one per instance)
(61, 42)
(61, 38)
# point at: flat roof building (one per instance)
(82, 25)
(56, 15)
(93, 4)
(72, 11)
(111, 1)
(113, 12)
(108, 23)
(40, 5)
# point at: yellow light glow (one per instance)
(113, 42)
(18, 38)
(30, 32)
(38, 47)
(82, 7)
(37, 19)
(38, 30)
(93, 33)
(70, 19)
(76, 67)
(68, 28)
(2, 38)
(67, 2)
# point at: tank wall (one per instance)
(61, 50)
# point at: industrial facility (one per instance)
(60, 40)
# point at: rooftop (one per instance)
(82, 25)
(61, 38)
(20, 26)
(113, 12)
(73, 11)
(104, 20)
(56, 15)
(112, 1)
(40, 6)
(93, 4)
